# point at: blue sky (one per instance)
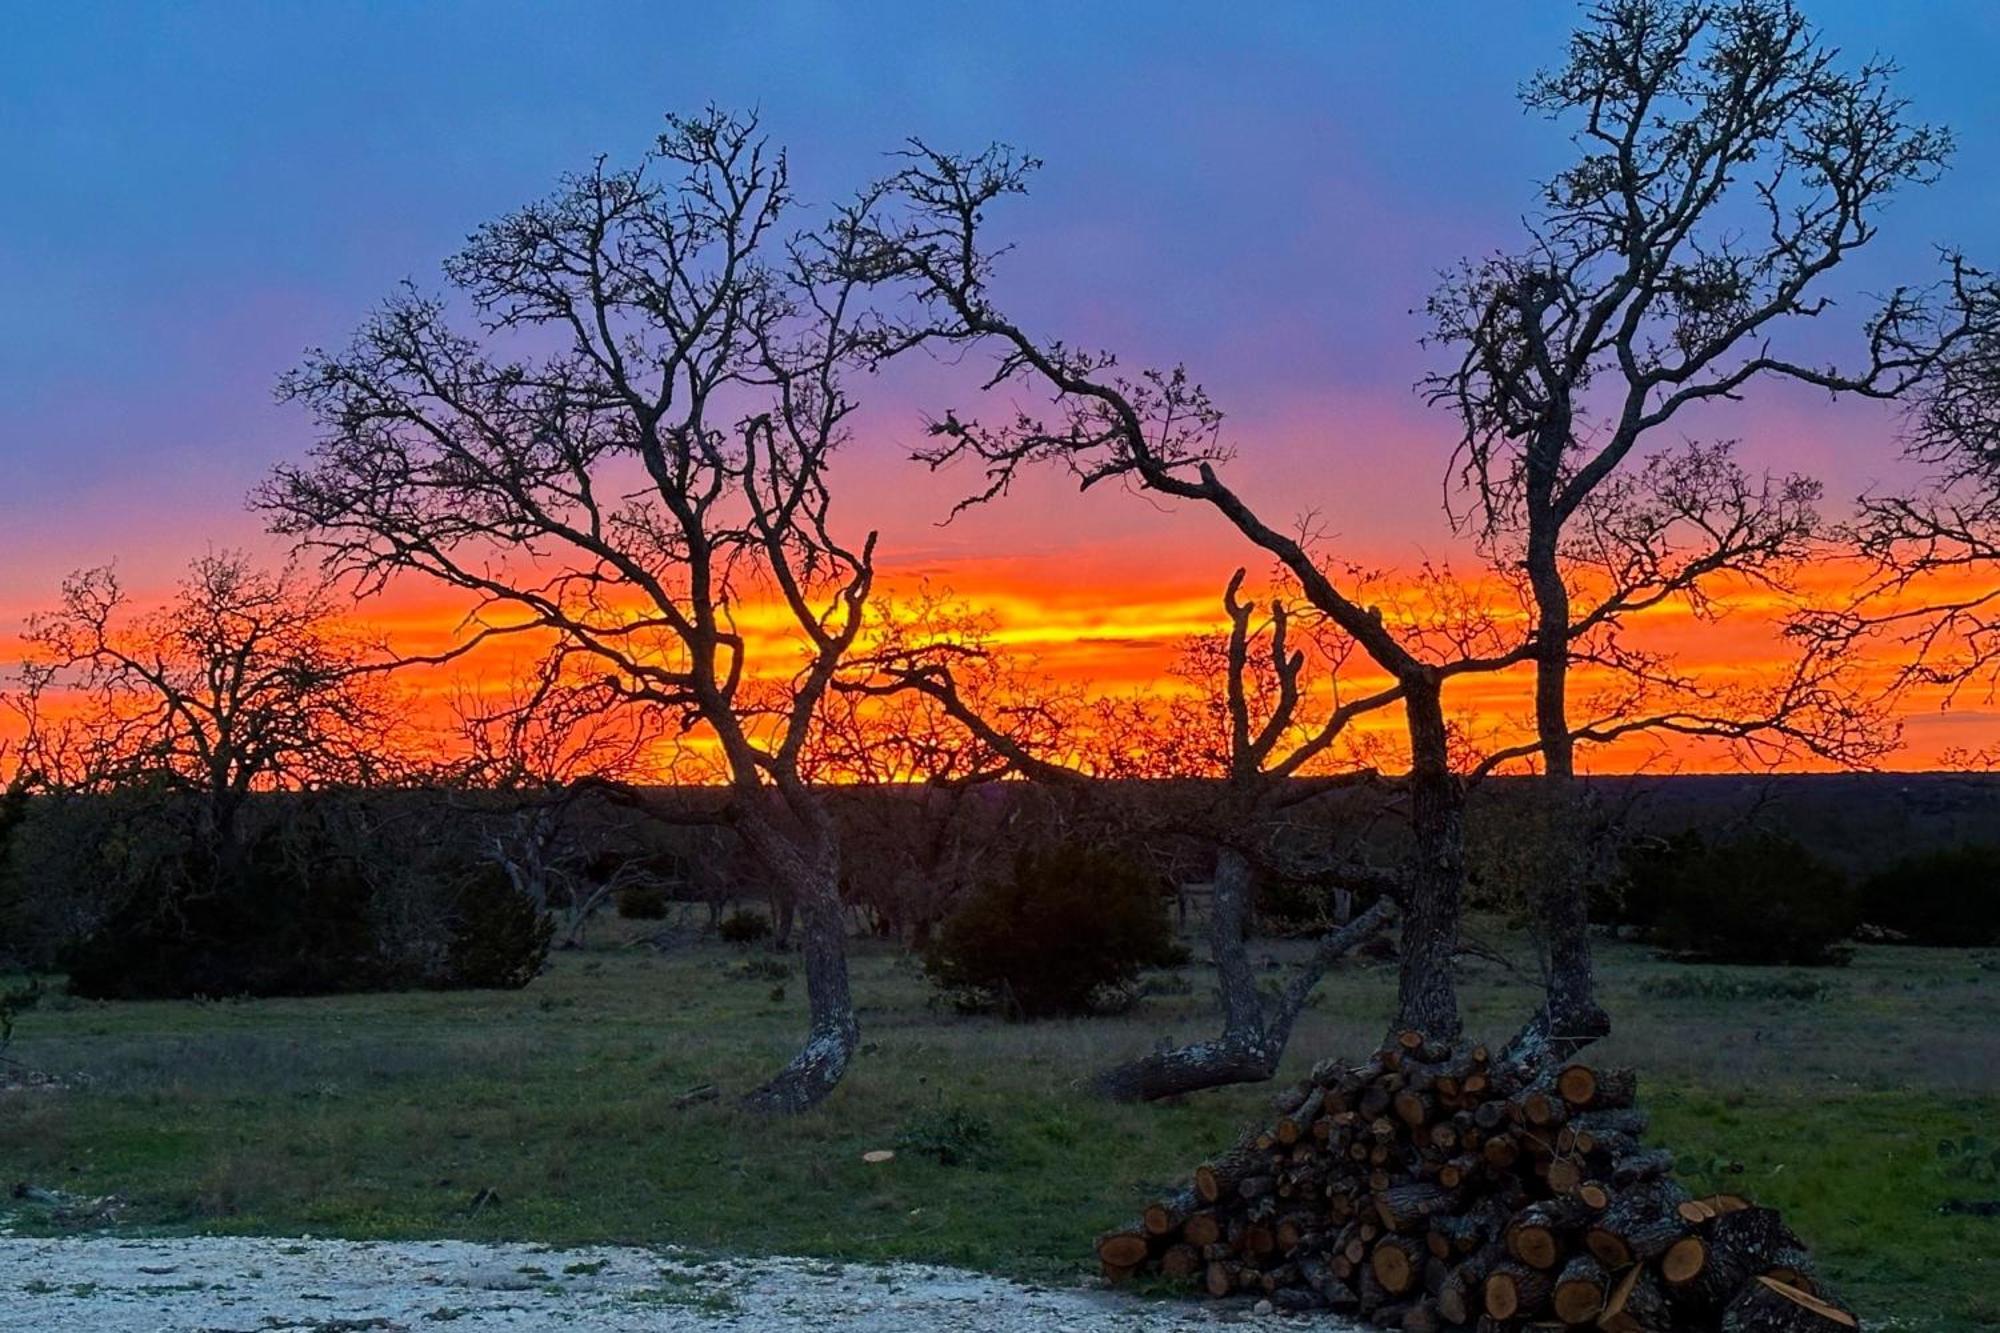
(195, 193)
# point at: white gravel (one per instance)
(241, 1285)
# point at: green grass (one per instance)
(386, 1116)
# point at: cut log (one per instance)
(1294, 1125)
(1637, 1304)
(1537, 1235)
(1221, 1277)
(1640, 1224)
(1514, 1290)
(1398, 1263)
(1122, 1249)
(1201, 1228)
(1583, 1086)
(1166, 1216)
(1767, 1305)
(1408, 1207)
(1683, 1260)
(1565, 1175)
(1217, 1180)
(1180, 1262)
(1461, 1298)
(1650, 1164)
(1580, 1290)
(1738, 1246)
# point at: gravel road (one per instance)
(239, 1285)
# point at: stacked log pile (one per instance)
(1433, 1187)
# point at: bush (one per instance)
(744, 926)
(500, 938)
(1070, 924)
(1950, 899)
(951, 1136)
(644, 902)
(295, 913)
(1755, 899)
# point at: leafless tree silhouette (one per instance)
(633, 439)
(245, 680)
(1726, 165)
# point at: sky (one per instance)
(196, 194)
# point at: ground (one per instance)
(561, 1114)
(232, 1284)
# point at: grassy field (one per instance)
(1826, 1093)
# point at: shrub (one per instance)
(744, 926)
(644, 902)
(1069, 924)
(500, 938)
(951, 1136)
(296, 913)
(1949, 898)
(1754, 899)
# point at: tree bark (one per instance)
(806, 866)
(1569, 1017)
(1253, 1039)
(1427, 989)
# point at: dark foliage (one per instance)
(1756, 898)
(1070, 925)
(291, 915)
(644, 902)
(744, 926)
(1950, 899)
(13, 809)
(499, 937)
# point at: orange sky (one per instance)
(1122, 637)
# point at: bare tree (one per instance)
(1726, 165)
(245, 680)
(1259, 736)
(1934, 548)
(1159, 430)
(633, 444)
(550, 746)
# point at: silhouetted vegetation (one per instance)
(307, 907)
(1753, 898)
(744, 926)
(1947, 898)
(1070, 926)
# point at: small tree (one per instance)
(246, 680)
(549, 747)
(631, 444)
(1259, 736)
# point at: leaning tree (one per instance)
(1159, 430)
(627, 455)
(1726, 165)
(1260, 729)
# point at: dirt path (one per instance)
(236, 1285)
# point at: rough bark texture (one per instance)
(1340, 1204)
(1255, 1031)
(811, 876)
(1427, 998)
(1569, 1017)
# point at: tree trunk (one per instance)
(807, 868)
(1569, 1018)
(1428, 992)
(1240, 1054)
